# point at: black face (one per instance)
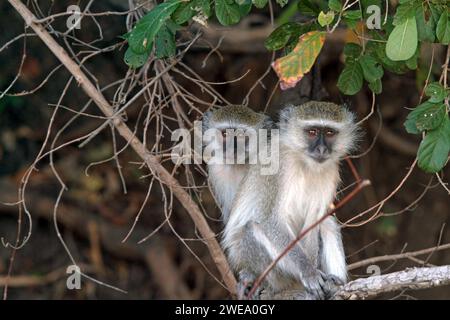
(320, 142)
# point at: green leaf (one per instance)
(405, 11)
(378, 49)
(372, 70)
(352, 14)
(431, 118)
(402, 42)
(436, 92)
(282, 3)
(411, 63)
(325, 19)
(352, 51)
(205, 6)
(143, 34)
(443, 28)
(227, 12)
(184, 12)
(260, 3)
(245, 8)
(335, 5)
(435, 10)
(376, 86)
(165, 42)
(351, 24)
(429, 114)
(410, 126)
(425, 28)
(125, 36)
(351, 18)
(281, 35)
(434, 148)
(189, 9)
(351, 79)
(308, 8)
(135, 60)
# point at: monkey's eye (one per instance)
(330, 133)
(312, 132)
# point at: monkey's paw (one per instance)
(316, 285)
(333, 283)
(244, 287)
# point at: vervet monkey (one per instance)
(269, 211)
(236, 125)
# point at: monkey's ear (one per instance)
(286, 113)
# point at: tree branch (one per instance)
(391, 257)
(364, 288)
(151, 161)
(410, 278)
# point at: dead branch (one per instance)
(410, 278)
(33, 280)
(391, 257)
(365, 288)
(151, 161)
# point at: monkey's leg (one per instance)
(331, 254)
(253, 258)
(295, 264)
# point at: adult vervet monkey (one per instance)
(269, 211)
(237, 129)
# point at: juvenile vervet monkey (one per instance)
(233, 123)
(269, 211)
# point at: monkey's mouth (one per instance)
(319, 158)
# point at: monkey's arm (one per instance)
(331, 254)
(295, 265)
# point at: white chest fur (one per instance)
(305, 193)
(225, 180)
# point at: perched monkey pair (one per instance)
(264, 213)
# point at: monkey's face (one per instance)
(232, 145)
(317, 143)
(318, 133)
(320, 142)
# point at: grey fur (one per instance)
(225, 179)
(270, 211)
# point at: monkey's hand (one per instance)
(245, 285)
(332, 283)
(316, 284)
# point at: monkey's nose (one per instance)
(322, 150)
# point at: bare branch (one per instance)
(397, 256)
(364, 288)
(411, 278)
